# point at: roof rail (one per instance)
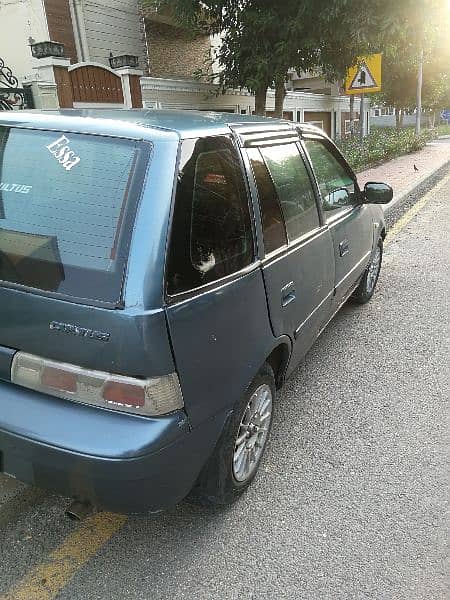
(256, 134)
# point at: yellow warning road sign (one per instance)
(365, 77)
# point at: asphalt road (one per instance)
(352, 498)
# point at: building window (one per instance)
(347, 127)
(317, 124)
(383, 111)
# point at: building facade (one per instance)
(89, 29)
(165, 72)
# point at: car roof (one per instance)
(182, 123)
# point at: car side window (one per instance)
(211, 229)
(274, 231)
(337, 187)
(294, 189)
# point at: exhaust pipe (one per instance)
(79, 510)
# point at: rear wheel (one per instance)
(366, 287)
(237, 456)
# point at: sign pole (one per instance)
(362, 119)
(352, 115)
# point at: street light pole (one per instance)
(419, 93)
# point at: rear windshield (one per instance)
(66, 204)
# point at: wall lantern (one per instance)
(124, 60)
(47, 49)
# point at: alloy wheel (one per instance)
(252, 434)
(373, 271)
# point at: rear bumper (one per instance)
(116, 461)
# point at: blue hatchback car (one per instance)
(161, 274)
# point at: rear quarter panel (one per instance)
(145, 272)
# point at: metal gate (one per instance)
(12, 97)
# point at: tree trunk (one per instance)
(398, 119)
(260, 100)
(352, 114)
(280, 94)
(402, 114)
(432, 119)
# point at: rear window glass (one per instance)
(66, 201)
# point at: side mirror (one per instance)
(377, 193)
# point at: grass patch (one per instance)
(443, 130)
(384, 144)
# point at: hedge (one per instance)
(383, 144)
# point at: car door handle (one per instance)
(287, 294)
(344, 247)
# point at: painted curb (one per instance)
(423, 182)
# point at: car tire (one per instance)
(366, 287)
(243, 441)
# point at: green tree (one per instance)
(436, 92)
(422, 38)
(436, 74)
(262, 39)
(399, 79)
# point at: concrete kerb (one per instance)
(423, 183)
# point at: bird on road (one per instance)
(415, 168)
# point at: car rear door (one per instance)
(349, 221)
(216, 305)
(298, 264)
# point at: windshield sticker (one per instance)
(18, 188)
(60, 149)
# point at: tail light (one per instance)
(150, 397)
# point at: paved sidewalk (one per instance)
(400, 173)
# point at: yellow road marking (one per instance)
(47, 579)
(412, 212)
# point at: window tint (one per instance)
(274, 231)
(211, 231)
(65, 209)
(336, 185)
(293, 187)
